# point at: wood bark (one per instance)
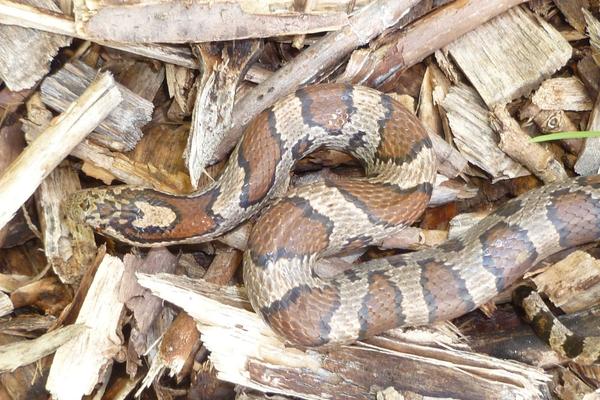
(184, 22)
(263, 362)
(25, 54)
(121, 129)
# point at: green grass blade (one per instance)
(565, 135)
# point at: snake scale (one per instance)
(326, 217)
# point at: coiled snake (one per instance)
(326, 217)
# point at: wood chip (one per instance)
(224, 65)
(573, 284)
(86, 359)
(121, 129)
(572, 10)
(25, 352)
(179, 22)
(510, 55)
(516, 143)
(562, 94)
(474, 137)
(588, 162)
(25, 54)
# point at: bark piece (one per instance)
(6, 305)
(588, 162)
(86, 359)
(144, 306)
(23, 176)
(17, 230)
(69, 248)
(21, 353)
(567, 94)
(428, 34)
(451, 162)
(572, 10)
(224, 65)
(514, 142)
(589, 72)
(46, 294)
(473, 136)
(510, 55)
(573, 284)
(505, 335)
(143, 79)
(348, 372)
(25, 54)
(121, 130)
(181, 22)
(363, 25)
(26, 16)
(180, 83)
(106, 165)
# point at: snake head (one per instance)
(124, 212)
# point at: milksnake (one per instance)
(324, 218)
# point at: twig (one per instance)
(362, 27)
(12, 13)
(24, 175)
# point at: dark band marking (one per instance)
(260, 167)
(385, 204)
(506, 250)
(402, 135)
(300, 316)
(381, 307)
(284, 229)
(576, 217)
(441, 287)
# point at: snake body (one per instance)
(323, 218)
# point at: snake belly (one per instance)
(323, 218)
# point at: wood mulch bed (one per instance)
(156, 93)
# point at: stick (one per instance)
(12, 13)
(367, 23)
(435, 31)
(24, 175)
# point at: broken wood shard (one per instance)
(196, 21)
(25, 54)
(86, 359)
(121, 129)
(474, 137)
(224, 65)
(510, 55)
(245, 351)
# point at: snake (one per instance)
(296, 228)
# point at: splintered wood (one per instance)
(87, 359)
(245, 351)
(469, 120)
(523, 51)
(25, 54)
(202, 21)
(23, 176)
(121, 129)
